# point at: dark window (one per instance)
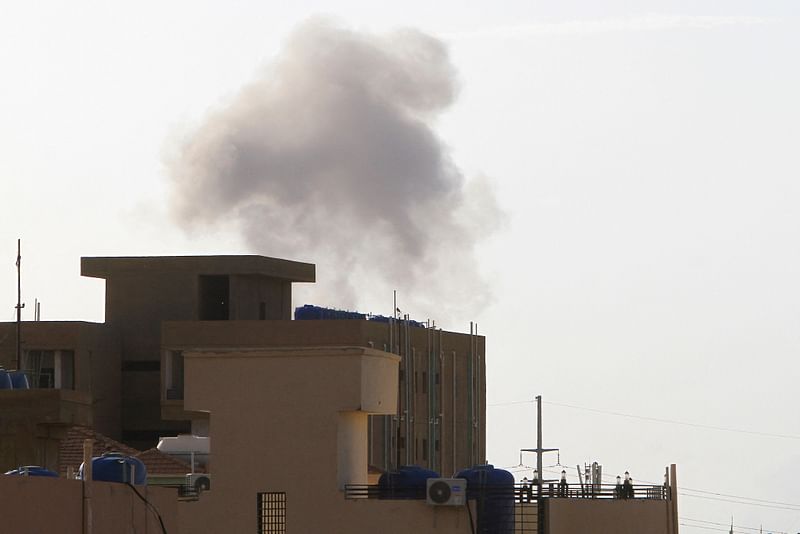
(48, 369)
(175, 386)
(424, 449)
(436, 445)
(272, 512)
(262, 311)
(437, 379)
(148, 366)
(214, 296)
(67, 369)
(40, 366)
(401, 442)
(402, 374)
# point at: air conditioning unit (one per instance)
(447, 491)
(199, 481)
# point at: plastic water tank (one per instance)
(407, 482)
(493, 491)
(19, 380)
(5, 380)
(32, 471)
(116, 467)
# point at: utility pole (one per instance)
(20, 305)
(539, 450)
(539, 445)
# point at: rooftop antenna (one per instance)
(19, 305)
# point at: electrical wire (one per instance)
(654, 419)
(471, 522)
(674, 422)
(149, 505)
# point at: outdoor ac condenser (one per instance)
(447, 491)
(199, 481)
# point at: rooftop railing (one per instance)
(521, 493)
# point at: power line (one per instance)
(656, 419)
(674, 422)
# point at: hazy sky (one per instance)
(645, 155)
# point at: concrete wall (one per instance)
(288, 420)
(39, 505)
(607, 516)
(97, 361)
(33, 421)
(248, 292)
(447, 354)
(143, 292)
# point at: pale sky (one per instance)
(645, 155)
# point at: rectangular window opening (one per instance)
(50, 369)
(272, 512)
(214, 298)
(175, 378)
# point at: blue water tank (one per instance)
(407, 482)
(309, 312)
(116, 467)
(19, 380)
(5, 380)
(32, 471)
(493, 491)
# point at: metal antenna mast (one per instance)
(20, 305)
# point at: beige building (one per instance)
(291, 454)
(125, 377)
(301, 414)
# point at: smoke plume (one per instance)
(330, 156)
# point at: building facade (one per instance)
(124, 377)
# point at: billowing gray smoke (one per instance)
(329, 156)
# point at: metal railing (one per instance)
(521, 493)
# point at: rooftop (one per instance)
(293, 271)
(71, 453)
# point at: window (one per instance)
(272, 512)
(174, 375)
(214, 298)
(50, 369)
(424, 449)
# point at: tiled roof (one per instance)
(70, 450)
(70, 453)
(158, 463)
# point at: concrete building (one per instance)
(301, 414)
(74, 370)
(290, 464)
(125, 377)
